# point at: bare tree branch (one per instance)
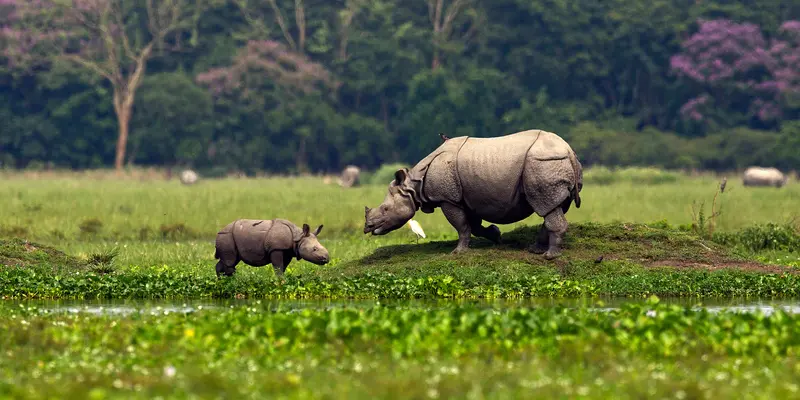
(136, 76)
(346, 16)
(118, 20)
(300, 19)
(90, 65)
(443, 25)
(452, 12)
(282, 24)
(258, 23)
(109, 44)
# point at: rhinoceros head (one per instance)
(310, 249)
(397, 208)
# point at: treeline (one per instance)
(313, 85)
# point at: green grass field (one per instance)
(70, 210)
(389, 316)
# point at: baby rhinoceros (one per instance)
(258, 242)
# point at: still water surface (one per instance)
(162, 307)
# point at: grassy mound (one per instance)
(587, 246)
(19, 253)
(23, 254)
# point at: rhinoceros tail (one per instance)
(576, 197)
(216, 254)
(576, 168)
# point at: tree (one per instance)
(112, 39)
(167, 128)
(444, 24)
(735, 67)
(269, 59)
(346, 16)
(268, 67)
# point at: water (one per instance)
(165, 307)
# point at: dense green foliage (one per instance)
(597, 73)
(641, 350)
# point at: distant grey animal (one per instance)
(501, 180)
(758, 176)
(350, 176)
(188, 177)
(258, 242)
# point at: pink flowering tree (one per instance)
(263, 62)
(786, 73)
(732, 66)
(112, 39)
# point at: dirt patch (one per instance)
(720, 265)
(11, 262)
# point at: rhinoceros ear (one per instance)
(319, 229)
(400, 176)
(306, 229)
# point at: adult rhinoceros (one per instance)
(758, 176)
(501, 180)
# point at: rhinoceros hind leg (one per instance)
(542, 241)
(556, 225)
(458, 219)
(491, 232)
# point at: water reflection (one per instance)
(164, 307)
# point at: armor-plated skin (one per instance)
(500, 180)
(261, 242)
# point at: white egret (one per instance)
(416, 228)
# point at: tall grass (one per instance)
(64, 208)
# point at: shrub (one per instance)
(640, 175)
(762, 237)
(385, 174)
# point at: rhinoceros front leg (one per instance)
(279, 262)
(223, 269)
(556, 224)
(458, 218)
